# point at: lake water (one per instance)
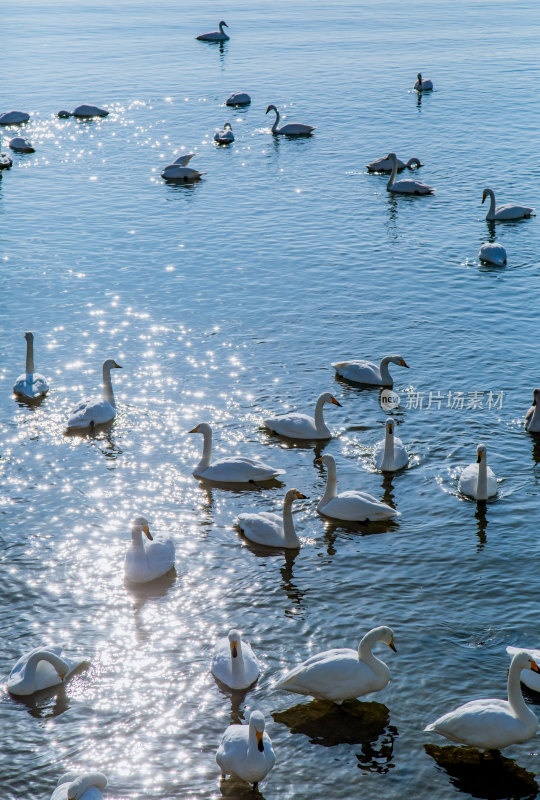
(226, 301)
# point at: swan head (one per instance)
(536, 397)
(202, 427)
(398, 360)
(234, 642)
(256, 725)
(390, 426)
(486, 193)
(140, 524)
(419, 76)
(89, 780)
(524, 661)
(386, 635)
(271, 108)
(29, 336)
(110, 363)
(391, 157)
(328, 460)
(480, 453)
(63, 114)
(326, 397)
(227, 126)
(294, 494)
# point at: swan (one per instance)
(492, 724)
(532, 417)
(504, 213)
(291, 128)
(361, 371)
(224, 136)
(88, 786)
(84, 112)
(342, 673)
(94, 412)
(385, 164)
(246, 751)
(238, 99)
(40, 669)
(423, 86)
(390, 455)
(493, 253)
(21, 145)
(215, 36)
(478, 480)
(352, 506)
(146, 561)
(270, 529)
(233, 469)
(301, 426)
(529, 677)
(234, 662)
(13, 118)
(31, 385)
(406, 186)
(179, 170)
(5, 160)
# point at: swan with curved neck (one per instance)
(246, 751)
(40, 669)
(147, 559)
(352, 505)
(30, 385)
(234, 663)
(290, 128)
(407, 186)
(504, 213)
(390, 455)
(215, 36)
(478, 480)
(86, 786)
(367, 372)
(532, 417)
(234, 469)
(385, 164)
(492, 724)
(272, 530)
(225, 135)
(342, 673)
(94, 412)
(423, 85)
(301, 426)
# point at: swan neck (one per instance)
(365, 654)
(481, 486)
(331, 484)
(319, 418)
(44, 655)
(291, 539)
(393, 175)
(276, 123)
(388, 456)
(30, 355)
(491, 212)
(136, 537)
(515, 697)
(238, 667)
(383, 367)
(108, 393)
(204, 463)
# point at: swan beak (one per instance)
(234, 649)
(147, 532)
(318, 460)
(195, 430)
(484, 197)
(301, 496)
(392, 646)
(390, 428)
(260, 743)
(534, 401)
(117, 365)
(336, 403)
(267, 110)
(403, 364)
(479, 458)
(535, 667)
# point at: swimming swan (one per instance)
(234, 662)
(478, 480)
(225, 135)
(529, 677)
(385, 165)
(301, 426)
(233, 469)
(361, 371)
(30, 385)
(215, 36)
(246, 751)
(270, 529)
(407, 186)
(291, 128)
(352, 506)
(147, 560)
(179, 170)
(13, 118)
(532, 417)
(94, 412)
(504, 213)
(40, 669)
(492, 724)
(493, 253)
(87, 786)
(342, 673)
(390, 455)
(21, 145)
(84, 112)
(423, 86)
(238, 99)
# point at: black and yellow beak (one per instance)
(479, 458)
(318, 460)
(117, 365)
(234, 649)
(147, 532)
(260, 743)
(392, 645)
(301, 496)
(403, 364)
(484, 197)
(195, 430)
(534, 666)
(336, 402)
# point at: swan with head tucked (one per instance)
(238, 99)
(270, 529)
(94, 412)
(14, 118)
(234, 663)
(30, 385)
(84, 112)
(215, 36)
(352, 505)
(233, 469)
(85, 786)
(361, 371)
(492, 724)
(504, 213)
(423, 85)
(389, 454)
(290, 128)
(407, 186)
(225, 135)
(529, 677)
(302, 426)
(342, 673)
(385, 164)
(532, 417)
(478, 480)
(493, 253)
(179, 170)
(42, 668)
(19, 144)
(147, 560)
(246, 751)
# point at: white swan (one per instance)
(246, 751)
(146, 561)
(88, 786)
(224, 136)
(529, 677)
(493, 253)
(492, 724)
(532, 417)
(31, 385)
(342, 673)
(504, 213)
(478, 480)
(233, 469)
(215, 36)
(40, 669)
(385, 164)
(423, 85)
(291, 128)
(352, 506)
(13, 118)
(94, 412)
(389, 454)
(84, 112)
(238, 99)
(270, 529)
(21, 145)
(179, 170)
(361, 371)
(301, 426)
(407, 186)
(234, 662)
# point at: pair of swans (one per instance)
(215, 36)
(385, 164)
(246, 751)
(30, 385)
(407, 186)
(232, 469)
(19, 144)
(290, 128)
(84, 112)
(96, 411)
(179, 170)
(238, 99)
(504, 213)
(225, 135)
(532, 417)
(87, 786)
(147, 559)
(234, 663)
(367, 372)
(40, 669)
(493, 253)
(478, 480)
(14, 118)
(302, 426)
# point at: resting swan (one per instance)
(21, 145)
(342, 673)
(14, 118)
(225, 135)
(179, 170)
(84, 112)
(270, 529)
(291, 128)
(238, 99)
(234, 663)
(493, 253)
(361, 371)
(406, 186)
(504, 213)
(88, 786)
(215, 36)
(233, 469)
(246, 751)
(30, 385)
(40, 669)
(421, 85)
(478, 480)
(352, 505)
(492, 724)
(390, 455)
(94, 412)
(146, 561)
(385, 164)
(301, 426)
(532, 417)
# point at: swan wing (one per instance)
(486, 724)
(295, 426)
(411, 187)
(263, 528)
(232, 750)
(182, 161)
(355, 506)
(512, 212)
(96, 411)
(359, 371)
(37, 386)
(240, 470)
(332, 675)
(151, 561)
